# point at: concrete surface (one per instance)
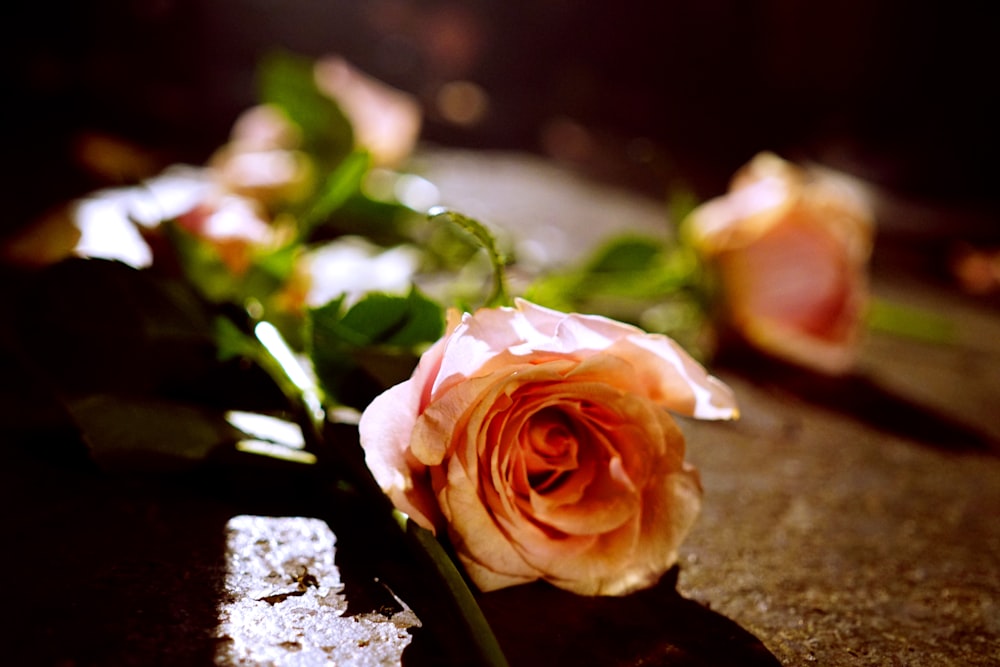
(849, 522)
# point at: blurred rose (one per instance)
(264, 128)
(542, 444)
(350, 266)
(261, 160)
(386, 121)
(977, 270)
(791, 249)
(236, 226)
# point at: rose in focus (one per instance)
(791, 249)
(542, 444)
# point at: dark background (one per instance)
(899, 93)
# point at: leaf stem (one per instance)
(910, 322)
(484, 237)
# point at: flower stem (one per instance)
(498, 295)
(910, 322)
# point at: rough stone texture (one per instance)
(848, 522)
(845, 522)
(837, 544)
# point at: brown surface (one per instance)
(844, 523)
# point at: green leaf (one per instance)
(378, 319)
(681, 201)
(626, 255)
(288, 82)
(635, 268)
(394, 320)
(341, 184)
(126, 433)
(262, 281)
(655, 284)
(372, 345)
(232, 343)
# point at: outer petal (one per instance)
(459, 482)
(492, 335)
(796, 294)
(386, 431)
(672, 378)
(385, 428)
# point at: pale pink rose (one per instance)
(262, 160)
(386, 121)
(542, 443)
(791, 249)
(236, 226)
(272, 177)
(263, 128)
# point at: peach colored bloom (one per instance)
(541, 442)
(791, 249)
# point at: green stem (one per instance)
(910, 322)
(498, 295)
(490, 653)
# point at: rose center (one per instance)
(550, 448)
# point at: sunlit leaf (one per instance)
(288, 82)
(627, 267)
(374, 343)
(626, 255)
(342, 183)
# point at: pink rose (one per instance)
(386, 121)
(541, 443)
(791, 249)
(236, 226)
(262, 160)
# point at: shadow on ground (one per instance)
(538, 624)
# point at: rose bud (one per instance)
(791, 250)
(541, 443)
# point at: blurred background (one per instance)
(898, 93)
